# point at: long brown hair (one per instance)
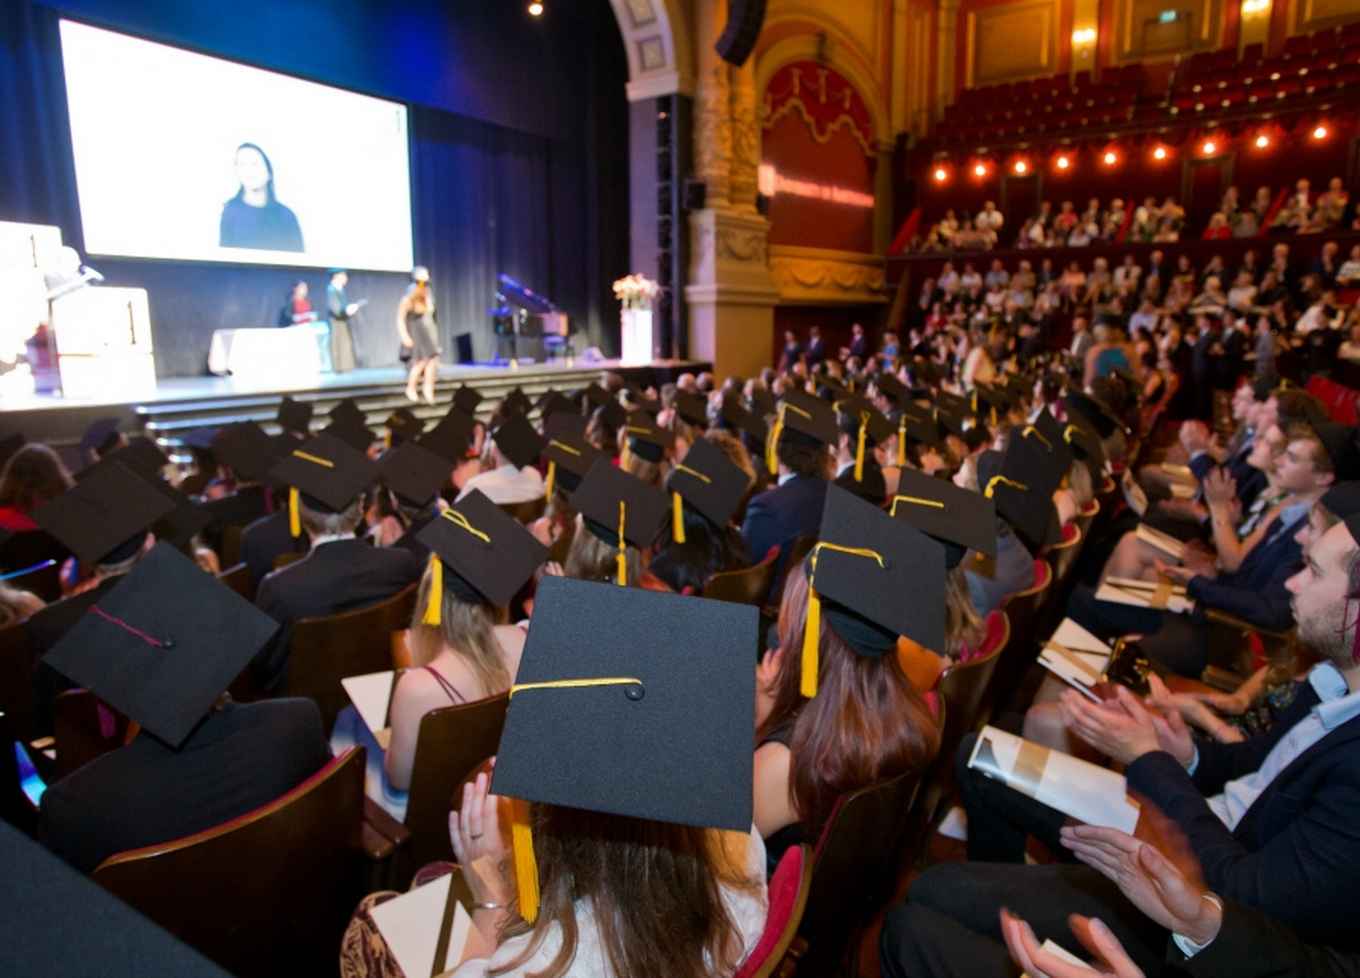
(32, 476)
(963, 626)
(466, 629)
(591, 559)
(866, 724)
(678, 927)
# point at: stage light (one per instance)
(535, 9)
(1262, 141)
(1159, 153)
(1320, 132)
(1063, 163)
(1110, 158)
(1255, 6)
(1021, 167)
(941, 174)
(1084, 35)
(1209, 148)
(980, 170)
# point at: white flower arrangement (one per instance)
(636, 291)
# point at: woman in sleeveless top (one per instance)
(419, 338)
(469, 656)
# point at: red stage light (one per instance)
(1262, 141)
(1021, 167)
(1110, 158)
(1159, 153)
(1063, 163)
(940, 174)
(1210, 147)
(980, 170)
(1320, 132)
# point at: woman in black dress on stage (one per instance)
(419, 338)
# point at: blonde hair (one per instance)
(591, 559)
(466, 629)
(1080, 484)
(963, 626)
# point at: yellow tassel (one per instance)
(677, 518)
(294, 520)
(772, 445)
(812, 634)
(526, 866)
(548, 482)
(902, 441)
(432, 614)
(859, 447)
(622, 558)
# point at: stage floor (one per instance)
(179, 404)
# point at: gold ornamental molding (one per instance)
(825, 276)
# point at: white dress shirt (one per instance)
(507, 484)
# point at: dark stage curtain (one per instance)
(485, 199)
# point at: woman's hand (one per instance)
(478, 844)
(1028, 953)
(1220, 488)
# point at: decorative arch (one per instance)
(805, 47)
(656, 38)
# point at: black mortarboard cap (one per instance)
(890, 387)
(515, 402)
(414, 473)
(141, 455)
(485, 548)
(807, 417)
(99, 436)
(855, 411)
(348, 412)
(1092, 412)
(404, 426)
(958, 518)
(561, 423)
(451, 437)
(466, 399)
(1026, 505)
(1085, 445)
(106, 508)
(554, 403)
(762, 402)
(1049, 433)
(246, 447)
(645, 439)
(641, 402)
(569, 457)
(518, 441)
(295, 415)
(613, 414)
(876, 578)
(356, 434)
(954, 403)
(1339, 442)
(331, 473)
(631, 745)
(737, 418)
(163, 644)
(692, 408)
(597, 395)
(598, 499)
(1342, 500)
(707, 480)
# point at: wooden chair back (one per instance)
(788, 894)
(1025, 610)
(268, 893)
(749, 585)
(852, 880)
(286, 558)
(17, 659)
(451, 742)
(1062, 556)
(322, 651)
(83, 729)
(525, 512)
(239, 580)
(230, 554)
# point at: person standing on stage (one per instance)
(419, 337)
(342, 311)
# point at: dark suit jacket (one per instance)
(1255, 591)
(1250, 481)
(859, 347)
(334, 577)
(1293, 854)
(241, 757)
(778, 516)
(266, 539)
(45, 629)
(871, 488)
(1251, 945)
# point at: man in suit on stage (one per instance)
(341, 312)
(340, 572)
(199, 759)
(1269, 819)
(805, 427)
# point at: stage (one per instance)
(181, 404)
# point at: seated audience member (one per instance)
(1267, 819)
(461, 647)
(511, 454)
(101, 437)
(706, 488)
(857, 720)
(199, 759)
(644, 448)
(34, 475)
(862, 429)
(603, 879)
(1254, 591)
(340, 572)
(803, 429)
(618, 519)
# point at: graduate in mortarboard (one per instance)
(619, 519)
(510, 456)
(705, 488)
(868, 580)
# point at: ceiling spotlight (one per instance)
(1063, 163)
(535, 9)
(1110, 157)
(1210, 147)
(980, 170)
(1159, 153)
(941, 174)
(1320, 132)
(1262, 141)
(1021, 167)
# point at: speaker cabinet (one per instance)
(738, 40)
